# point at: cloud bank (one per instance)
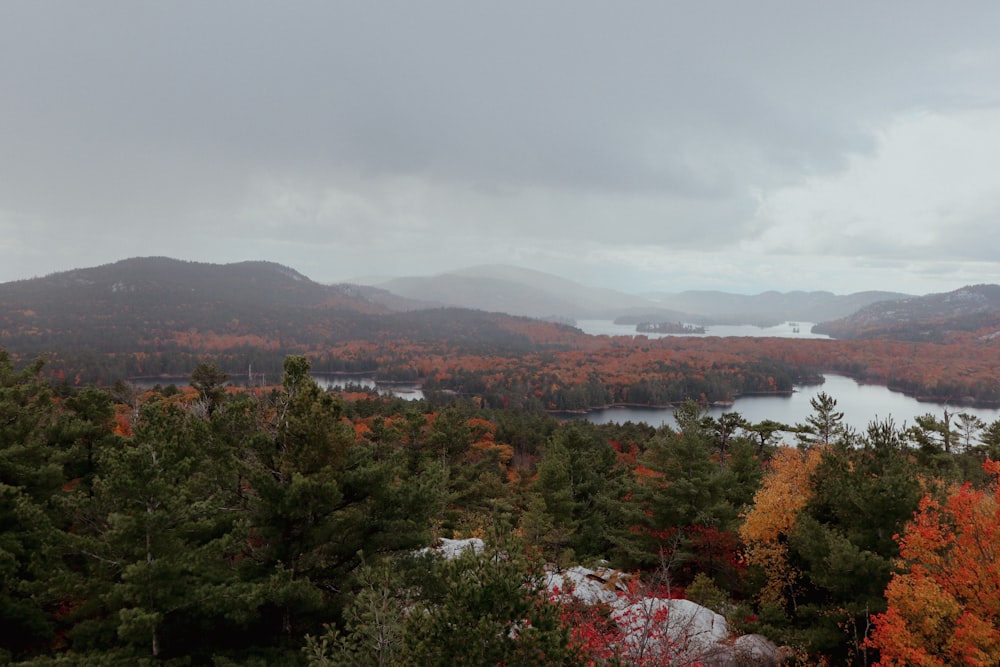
(646, 146)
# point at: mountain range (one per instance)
(159, 316)
(537, 294)
(152, 298)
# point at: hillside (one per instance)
(117, 307)
(931, 318)
(156, 317)
(152, 316)
(161, 281)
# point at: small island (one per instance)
(668, 328)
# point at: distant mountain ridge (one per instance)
(933, 317)
(157, 316)
(515, 291)
(262, 285)
(771, 306)
(532, 293)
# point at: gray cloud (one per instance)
(561, 136)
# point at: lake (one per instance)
(860, 403)
(325, 381)
(408, 391)
(783, 330)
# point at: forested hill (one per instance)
(161, 317)
(153, 316)
(152, 282)
(964, 314)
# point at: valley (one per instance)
(241, 449)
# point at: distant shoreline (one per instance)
(664, 406)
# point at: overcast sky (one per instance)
(643, 146)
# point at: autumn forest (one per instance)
(219, 522)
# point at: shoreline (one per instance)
(958, 403)
(664, 406)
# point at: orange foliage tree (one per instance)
(944, 605)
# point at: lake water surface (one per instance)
(324, 380)
(340, 381)
(860, 403)
(783, 330)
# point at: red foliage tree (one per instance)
(944, 607)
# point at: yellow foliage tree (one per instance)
(783, 494)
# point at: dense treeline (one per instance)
(285, 526)
(160, 317)
(511, 361)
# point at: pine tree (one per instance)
(157, 537)
(30, 479)
(488, 608)
(825, 425)
(320, 501)
(582, 486)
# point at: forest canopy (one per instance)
(209, 524)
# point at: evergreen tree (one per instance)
(581, 486)
(742, 477)
(687, 490)
(30, 479)
(158, 541)
(320, 502)
(27, 417)
(488, 608)
(373, 630)
(841, 545)
(825, 425)
(724, 431)
(934, 440)
(27, 540)
(989, 439)
(765, 432)
(83, 430)
(682, 490)
(476, 463)
(210, 383)
(555, 499)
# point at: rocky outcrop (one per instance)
(680, 632)
(662, 629)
